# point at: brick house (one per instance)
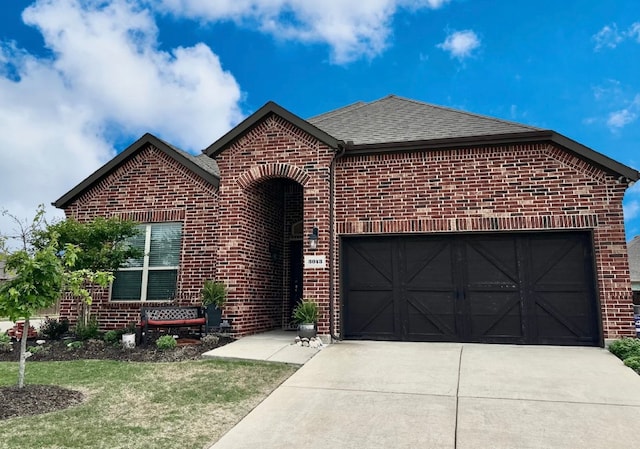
(3, 274)
(403, 220)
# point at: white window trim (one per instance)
(145, 268)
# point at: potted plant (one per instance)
(214, 296)
(305, 315)
(129, 336)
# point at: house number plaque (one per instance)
(315, 262)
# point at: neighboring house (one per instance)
(3, 275)
(403, 220)
(633, 249)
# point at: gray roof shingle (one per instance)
(203, 161)
(202, 165)
(633, 249)
(397, 119)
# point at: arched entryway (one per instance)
(274, 274)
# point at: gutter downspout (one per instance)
(342, 147)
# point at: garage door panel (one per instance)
(565, 315)
(370, 263)
(371, 314)
(508, 288)
(427, 263)
(491, 262)
(495, 314)
(431, 316)
(557, 262)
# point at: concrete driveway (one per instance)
(361, 394)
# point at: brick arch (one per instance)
(270, 171)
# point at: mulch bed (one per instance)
(37, 399)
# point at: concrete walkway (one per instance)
(5, 325)
(272, 346)
(464, 396)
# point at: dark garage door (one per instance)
(508, 288)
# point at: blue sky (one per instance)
(80, 80)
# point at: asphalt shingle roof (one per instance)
(633, 249)
(204, 166)
(397, 119)
(201, 160)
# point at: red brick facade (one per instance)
(524, 188)
(151, 187)
(277, 174)
(253, 170)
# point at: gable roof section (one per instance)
(633, 249)
(203, 166)
(398, 124)
(270, 108)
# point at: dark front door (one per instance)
(508, 288)
(295, 274)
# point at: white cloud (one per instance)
(619, 105)
(622, 117)
(634, 31)
(353, 29)
(460, 44)
(610, 37)
(106, 72)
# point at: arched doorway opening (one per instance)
(274, 272)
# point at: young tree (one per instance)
(39, 276)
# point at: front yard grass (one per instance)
(141, 405)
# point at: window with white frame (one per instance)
(153, 277)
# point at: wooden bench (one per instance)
(170, 317)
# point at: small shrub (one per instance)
(95, 344)
(52, 329)
(625, 348)
(633, 363)
(5, 343)
(210, 340)
(306, 312)
(38, 349)
(166, 342)
(87, 331)
(72, 346)
(112, 337)
(214, 293)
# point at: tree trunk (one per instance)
(23, 353)
(85, 311)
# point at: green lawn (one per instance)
(141, 405)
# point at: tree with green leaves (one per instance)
(103, 243)
(39, 276)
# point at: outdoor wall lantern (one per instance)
(313, 238)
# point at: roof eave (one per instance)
(499, 139)
(269, 108)
(129, 152)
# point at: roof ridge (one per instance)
(457, 111)
(472, 114)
